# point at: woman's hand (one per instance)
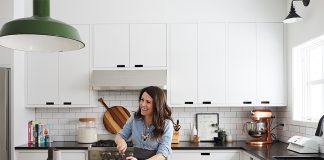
(121, 146)
(131, 158)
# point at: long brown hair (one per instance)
(161, 111)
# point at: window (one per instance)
(308, 81)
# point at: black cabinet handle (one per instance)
(206, 102)
(188, 102)
(138, 65)
(205, 154)
(265, 102)
(247, 102)
(67, 103)
(119, 65)
(49, 103)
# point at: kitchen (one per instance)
(32, 83)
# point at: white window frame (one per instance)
(301, 94)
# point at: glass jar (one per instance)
(87, 132)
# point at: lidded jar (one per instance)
(87, 131)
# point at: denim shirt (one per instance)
(134, 128)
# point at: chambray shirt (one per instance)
(134, 128)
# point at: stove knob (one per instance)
(105, 155)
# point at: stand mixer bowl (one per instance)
(255, 129)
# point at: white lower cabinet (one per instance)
(247, 156)
(42, 155)
(205, 154)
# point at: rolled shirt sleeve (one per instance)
(165, 143)
(126, 132)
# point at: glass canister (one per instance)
(87, 131)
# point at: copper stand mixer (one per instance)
(259, 128)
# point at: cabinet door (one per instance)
(183, 64)
(111, 45)
(271, 86)
(74, 155)
(211, 63)
(242, 64)
(31, 155)
(205, 155)
(42, 78)
(43, 154)
(226, 155)
(74, 73)
(188, 156)
(148, 45)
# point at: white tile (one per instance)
(86, 109)
(224, 109)
(75, 109)
(64, 132)
(233, 109)
(230, 114)
(38, 115)
(81, 115)
(58, 138)
(58, 115)
(52, 121)
(64, 109)
(201, 109)
(69, 115)
(190, 109)
(69, 138)
(52, 110)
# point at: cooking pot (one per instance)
(255, 129)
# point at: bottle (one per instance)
(194, 132)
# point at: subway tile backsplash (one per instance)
(64, 120)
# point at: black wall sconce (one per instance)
(293, 16)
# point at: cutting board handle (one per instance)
(101, 100)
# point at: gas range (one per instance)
(106, 150)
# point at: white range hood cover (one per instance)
(128, 79)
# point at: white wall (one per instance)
(311, 27)
(102, 11)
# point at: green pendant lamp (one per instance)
(40, 33)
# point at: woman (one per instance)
(151, 127)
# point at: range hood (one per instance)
(127, 79)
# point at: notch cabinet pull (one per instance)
(49, 103)
(119, 65)
(206, 102)
(188, 102)
(205, 154)
(138, 65)
(265, 102)
(247, 102)
(67, 103)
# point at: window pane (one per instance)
(315, 63)
(316, 102)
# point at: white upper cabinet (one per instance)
(42, 78)
(242, 64)
(111, 45)
(148, 45)
(183, 64)
(211, 63)
(60, 79)
(129, 45)
(270, 66)
(74, 68)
